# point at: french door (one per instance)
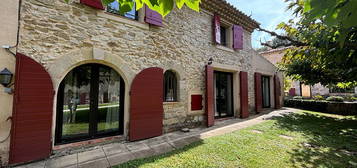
(89, 104)
(266, 91)
(223, 82)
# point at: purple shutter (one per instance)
(93, 3)
(237, 37)
(217, 29)
(152, 17)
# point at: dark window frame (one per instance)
(224, 39)
(116, 12)
(232, 95)
(269, 90)
(170, 83)
(93, 133)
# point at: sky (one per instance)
(269, 13)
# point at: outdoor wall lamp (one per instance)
(5, 79)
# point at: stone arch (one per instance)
(181, 78)
(60, 67)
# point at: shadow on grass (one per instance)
(331, 140)
(152, 159)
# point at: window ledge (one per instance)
(170, 103)
(124, 20)
(224, 48)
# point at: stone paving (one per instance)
(116, 153)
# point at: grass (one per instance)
(315, 140)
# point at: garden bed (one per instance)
(341, 108)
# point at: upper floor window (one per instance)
(170, 86)
(114, 8)
(224, 32)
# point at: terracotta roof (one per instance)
(274, 50)
(230, 13)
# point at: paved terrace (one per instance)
(116, 153)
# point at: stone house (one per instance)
(275, 56)
(85, 74)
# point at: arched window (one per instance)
(90, 104)
(170, 86)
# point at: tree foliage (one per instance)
(164, 7)
(325, 40)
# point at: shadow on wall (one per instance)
(331, 142)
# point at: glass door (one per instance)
(223, 82)
(89, 104)
(266, 91)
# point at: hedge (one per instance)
(341, 108)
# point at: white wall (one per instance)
(8, 37)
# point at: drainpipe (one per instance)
(7, 48)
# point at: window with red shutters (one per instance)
(217, 29)
(93, 3)
(152, 17)
(237, 37)
(244, 113)
(196, 102)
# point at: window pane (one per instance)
(114, 8)
(108, 100)
(265, 91)
(170, 86)
(223, 36)
(76, 102)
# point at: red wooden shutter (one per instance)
(152, 17)
(217, 29)
(277, 92)
(237, 37)
(32, 112)
(244, 113)
(258, 92)
(209, 96)
(93, 3)
(196, 102)
(146, 110)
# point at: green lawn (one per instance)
(311, 140)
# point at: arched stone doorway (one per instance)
(90, 104)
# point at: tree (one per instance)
(164, 7)
(325, 40)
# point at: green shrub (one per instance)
(350, 98)
(335, 99)
(318, 97)
(298, 97)
(323, 106)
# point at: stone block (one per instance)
(120, 158)
(100, 163)
(64, 161)
(91, 155)
(115, 148)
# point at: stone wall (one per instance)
(52, 29)
(62, 36)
